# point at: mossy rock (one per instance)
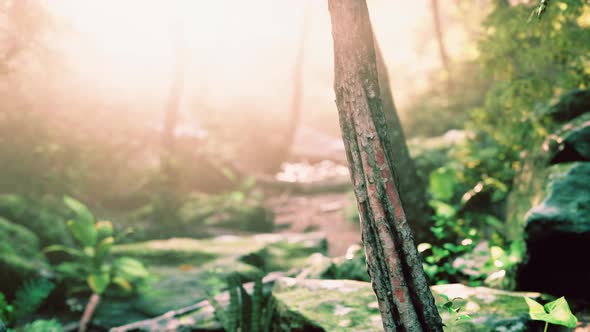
(188, 270)
(568, 106)
(273, 251)
(173, 287)
(557, 229)
(20, 256)
(530, 183)
(346, 305)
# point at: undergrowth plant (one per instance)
(245, 312)
(555, 312)
(454, 311)
(28, 299)
(92, 267)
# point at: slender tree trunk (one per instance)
(89, 312)
(442, 50)
(167, 202)
(172, 107)
(174, 98)
(405, 300)
(297, 97)
(411, 186)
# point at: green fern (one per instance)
(246, 312)
(30, 296)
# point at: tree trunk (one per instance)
(167, 203)
(174, 99)
(412, 188)
(405, 300)
(442, 50)
(297, 96)
(89, 312)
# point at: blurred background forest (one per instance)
(215, 122)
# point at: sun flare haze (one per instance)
(294, 165)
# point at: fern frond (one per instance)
(30, 296)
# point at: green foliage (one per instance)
(528, 63)
(30, 296)
(6, 309)
(246, 312)
(42, 326)
(454, 310)
(556, 312)
(92, 264)
(28, 299)
(353, 267)
(459, 225)
(43, 216)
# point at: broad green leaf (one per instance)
(89, 251)
(130, 268)
(536, 310)
(443, 209)
(103, 249)
(123, 283)
(560, 313)
(83, 231)
(556, 312)
(104, 229)
(442, 184)
(99, 281)
(71, 270)
(82, 212)
(68, 250)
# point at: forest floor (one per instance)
(325, 212)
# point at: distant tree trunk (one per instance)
(442, 50)
(174, 98)
(411, 186)
(167, 157)
(297, 97)
(405, 300)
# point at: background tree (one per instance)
(404, 298)
(413, 189)
(167, 203)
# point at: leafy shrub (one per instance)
(28, 299)
(42, 326)
(92, 266)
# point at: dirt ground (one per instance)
(318, 212)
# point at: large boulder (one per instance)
(187, 271)
(20, 256)
(346, 305)
(557, 232)
(548, 208)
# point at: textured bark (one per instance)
(412, 188)
(405, 300)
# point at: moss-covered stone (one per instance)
(268, 251)
(188, 270)
(556, 229)
(173, 287)
(346, 305)
(20, 256)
